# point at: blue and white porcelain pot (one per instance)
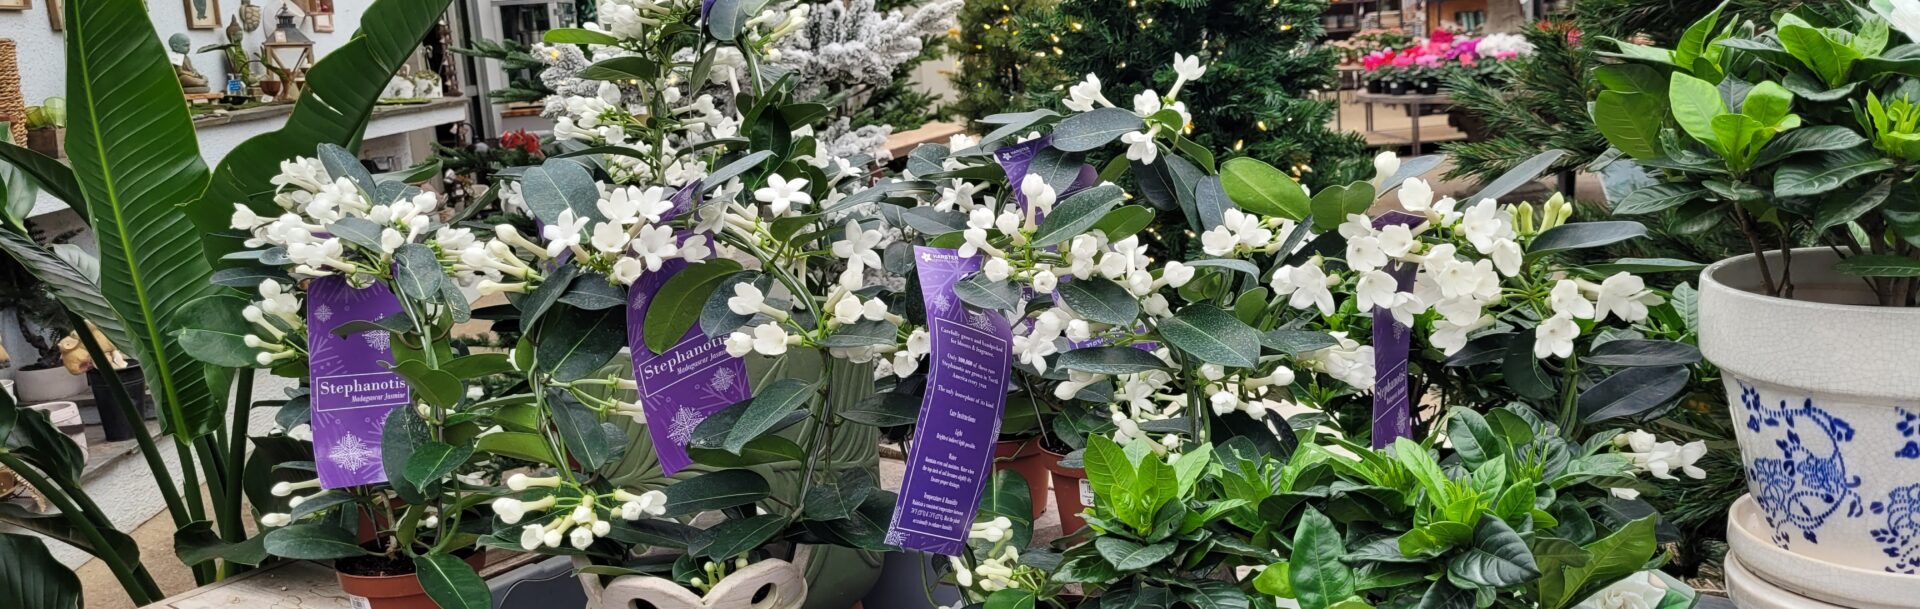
(1824, 389)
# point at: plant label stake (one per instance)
(952, 454)
(1392, 340)
(692, 379)
(352, 389)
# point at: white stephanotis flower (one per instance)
(1485, 224)
(858, 246)
(1386, 164)
(783, 195)
(1450, 337)
(1140, 147)
(1507, 257)
(1305, 286)
(564, 232)
(1632, 592)
(1554, 337)
(1566, 299)
(1625, 296)
(1083, 96)
(655, 245)
(1186, 68)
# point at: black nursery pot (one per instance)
(1396, 88)
(1376, 86)
(113, 420)
(1428, 87)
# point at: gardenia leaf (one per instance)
(1498, 558)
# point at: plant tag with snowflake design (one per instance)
(352, 391)
(684, 384)
(966, 390)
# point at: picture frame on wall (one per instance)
(15, 5)
(319, 14)
(202, 14)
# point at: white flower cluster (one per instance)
(1086, 96)
(311, 202)
(1503, 45)
(994, 572)
(281, 333)
(579, 521)
(1621, 295)
(1659, 458)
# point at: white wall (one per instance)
(43, 75)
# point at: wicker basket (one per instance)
(13, 104)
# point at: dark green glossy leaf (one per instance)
(1089, 130)
(1632, 391)
(1212, 335)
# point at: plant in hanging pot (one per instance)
(1800, 134)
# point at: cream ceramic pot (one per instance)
(1825, 395)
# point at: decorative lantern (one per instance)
(288, 53)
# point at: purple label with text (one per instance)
(352, 391)
(953, 441)
(680, 387)
(1392, 340)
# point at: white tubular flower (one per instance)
(782, 195)
(512, 510)
(1082, 97)
(1376, 289)
(1365, 254)
(1450, 337)
(1485, 224)
(1566, 299)
(1145, 103)
(628, 270)
(635, 507)
(1186, 68)
(1625, 296)
(769, 339)
(1045, 282)
(1385, 165)
(655, 246)
(858, 245)
(609, 237)
(1218, 241)
(580, 537)
(275, 520)
(1177, 274)
(563, 233)
(1040, 196)
(1397, 241)
(1224, 402)
(520, 482)
(1140, 147)
(283, 489)
(1554, 337)
(739, 344)
(1634, 592)
(532, 536)
(300, 172)
(747, 299)
(996, 269)
(1507, 257)
(1305, 286)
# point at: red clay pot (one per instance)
(394, 591)
(1026, 458)
(1071, 494)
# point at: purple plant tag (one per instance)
(680, 387)
(1016, 158)
(352, 390)
(1392, 341)
(959, 421)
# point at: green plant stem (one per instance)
(231, 523)
(139, 585)
(203, 573)
(156, 464)
(1570, 399)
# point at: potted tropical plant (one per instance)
(1798, 133)
(47, 127)
(42, 324)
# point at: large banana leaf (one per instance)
(334, 109)
(30, 577)
(47, 173)
(136, 158)
(71, 286)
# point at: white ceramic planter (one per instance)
(65, 415)
(768, 584)
(1749, 538)
(1825, 395)
(47, 384)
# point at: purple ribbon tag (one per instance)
(1392, 341)
(680, 387)
(352, 390)
(952, 453)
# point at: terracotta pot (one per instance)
(393, 591)
(1026, 458)
(1071, 493)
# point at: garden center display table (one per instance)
(1416, 104)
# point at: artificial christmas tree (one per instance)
(990, 74)
(1261, 68)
